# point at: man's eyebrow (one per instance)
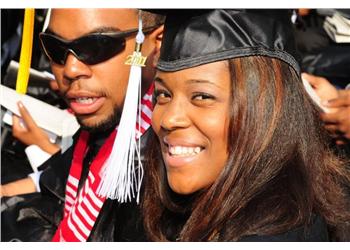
(102, 29)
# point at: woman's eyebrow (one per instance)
(159, 80)
(190, 81)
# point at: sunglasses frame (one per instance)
(69, 44)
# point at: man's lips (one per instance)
(84, 105)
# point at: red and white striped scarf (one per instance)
(82, 209)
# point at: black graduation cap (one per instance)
(195, 37)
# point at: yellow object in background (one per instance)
(26, 51)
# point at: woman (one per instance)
(239, 152)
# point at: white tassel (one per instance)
(120, 176)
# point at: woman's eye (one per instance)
(161, 96)
(203, 96)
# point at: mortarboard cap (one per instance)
(195, 37)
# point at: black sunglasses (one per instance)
(91, 49)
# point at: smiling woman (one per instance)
(191, 120)
(238, 152)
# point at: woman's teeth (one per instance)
(85, 100)
(184, 151)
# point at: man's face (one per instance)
(94, 92)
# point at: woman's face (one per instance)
(191, 119)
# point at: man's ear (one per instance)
(157, 36)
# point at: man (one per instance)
(93, 81)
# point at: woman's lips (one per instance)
(86, 105)
(178, 155)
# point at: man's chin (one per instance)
(96, 128)
(94, 125)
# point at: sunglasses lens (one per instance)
(95, 49)
(54, 48)
(91, 49)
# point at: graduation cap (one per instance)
(195, 37)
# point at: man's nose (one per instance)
(75, 69)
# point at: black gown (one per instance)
(35, 217)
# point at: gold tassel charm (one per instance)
(136, 58)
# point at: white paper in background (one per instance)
(337, 28)
(50, 118)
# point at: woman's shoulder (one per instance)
(317, 231)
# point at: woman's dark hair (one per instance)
(280, 170)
